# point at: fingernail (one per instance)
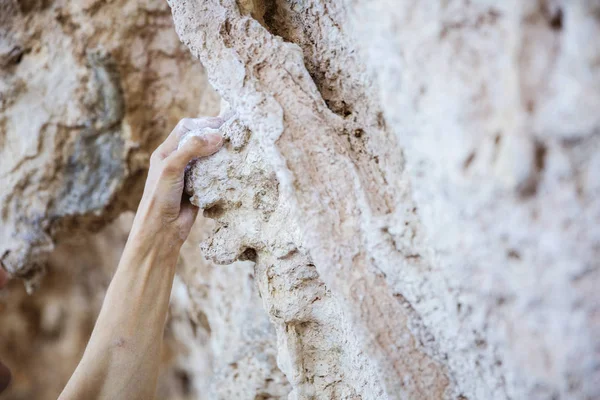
(213, 139)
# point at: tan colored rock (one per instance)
(229, 346)
(419, 190)
(415, 185)
(87, 91)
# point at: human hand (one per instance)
(164, 213)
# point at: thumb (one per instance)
(187, 216)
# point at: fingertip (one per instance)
(206, 122)
(206, 144)
(187, 215)
(214, 139)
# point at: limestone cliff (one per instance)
(407, 205)
(419, 190)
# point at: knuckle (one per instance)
(168, 169)
(183, 125)
(154, 157)
(169, 215)
(185, 121)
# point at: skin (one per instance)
(121, 360)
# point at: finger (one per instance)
(194, 147)
(187, 215)
(184, 126)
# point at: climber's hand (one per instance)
(165, 213)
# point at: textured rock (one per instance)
(419, 190)
(87, 91)
(83, 101)
(412, 188)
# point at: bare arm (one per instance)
(122, 358)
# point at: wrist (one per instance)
(148, 242)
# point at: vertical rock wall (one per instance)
(418, 190)
(225, 342)
(411, 188)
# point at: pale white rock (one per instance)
(418, 190)
(415, 185)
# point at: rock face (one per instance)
(83, 101)
(417, 186)
(225, 342)
(87, 91)
(407, 204)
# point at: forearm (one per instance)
(122, 358)
(123, 355)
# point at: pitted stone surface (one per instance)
(436, 163)
(413, 187)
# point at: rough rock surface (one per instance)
(419, 190)
(412, 189)
(87, 89)
(217, 318)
